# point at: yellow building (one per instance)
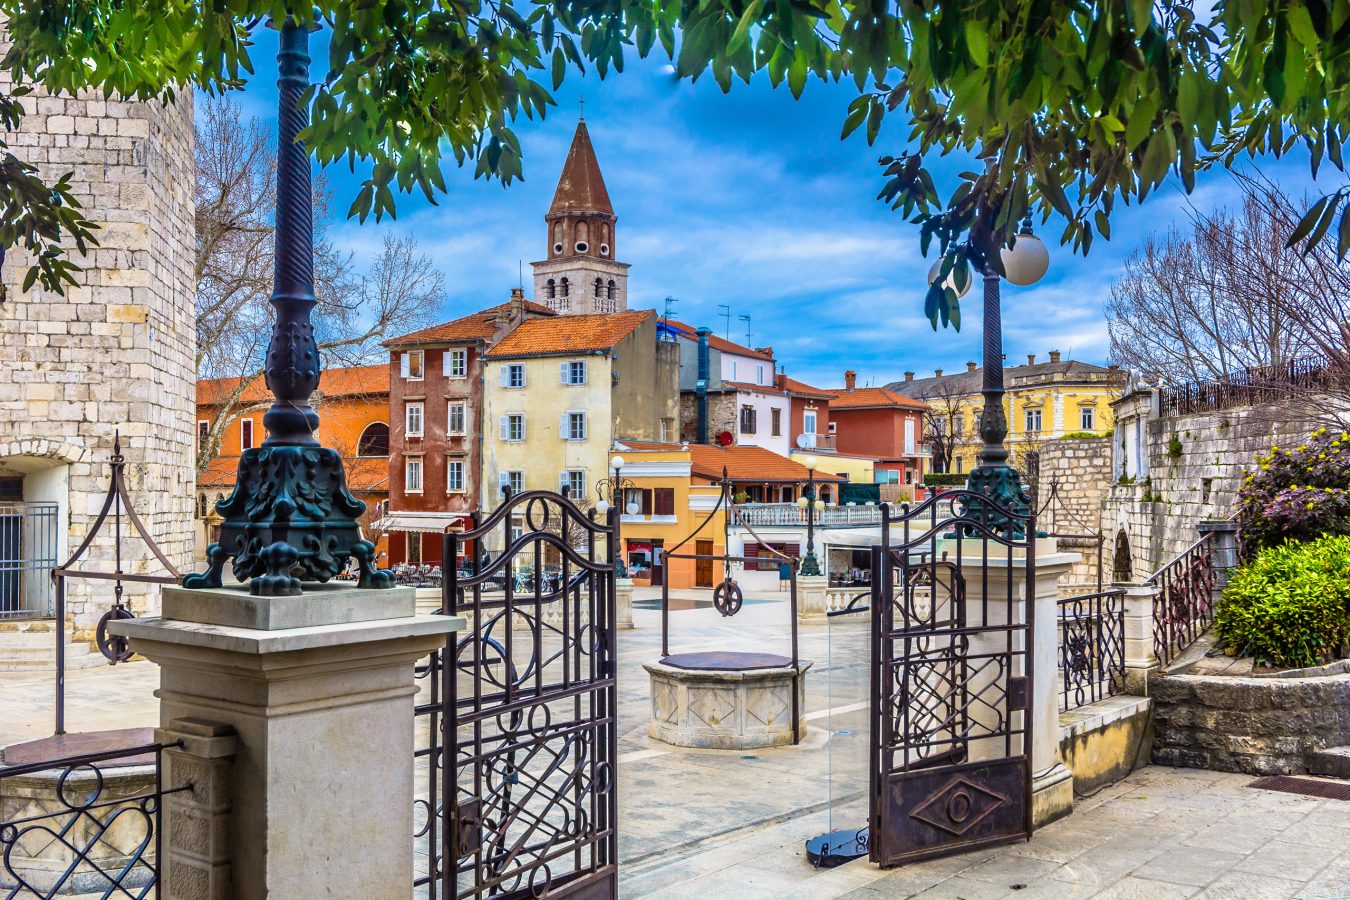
(559, 391)
(1043, 401)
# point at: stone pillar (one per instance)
(1140, 660)
(1224, 556)
(623, 603)
(812, 604)
(1052, 782)
(196, 823)
(319, 689)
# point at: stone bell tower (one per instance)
(580, 275)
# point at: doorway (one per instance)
(658, 562)
(703, 566)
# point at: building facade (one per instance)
(113, 356)
(739, 402)
(882, 424)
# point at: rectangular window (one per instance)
(455, 418)
(245, 434)
(748, 420)
(512, 427)
(909, 436)
(1088, 419)
(667, 426)
(412, 474)
(454, 476)
(663, 501)
(574, 426)
(411, 365)
(513, 480)
(733, 370)
(456, 363)
(513, 376)
(573, 372)
(203, 433)
(412, 421)
(1033, 420)
(776, 421)
(759, 374)
(573, 483)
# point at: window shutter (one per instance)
(584, 426)
(665, 501)
(504, 376)
(403, 365)
(503, 479)
(751, 554)
(562, 481)
(522, 376)
(646, 502)
(503, 427)
(522, 426)
(584, 367)
(562, 372)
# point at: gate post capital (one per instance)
(812, 605)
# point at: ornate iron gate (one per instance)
(521, 794)
(951, 627)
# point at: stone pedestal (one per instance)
(726, 709)
(811, 600)
(623, 603)
(324, 721)
(1140, 660)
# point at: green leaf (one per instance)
(742, 32)
(1309, 220)
(1301, 26)
(977, 41)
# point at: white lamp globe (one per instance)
(810, 462)
(802, 501)
(820, 504)
(602, 507)
(1027, 261)
(616, 462)
(936, 269)
(633, 507)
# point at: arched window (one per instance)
(611, 289)
(599, 289)
(1122, 569)
(201, 507)
(552, 288)
(564, 287)
(374, 440)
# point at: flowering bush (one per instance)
(1290, 606)
(1300, 493)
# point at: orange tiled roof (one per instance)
(365, 475)
(871, 398)
(569, 334)
(348, 381)
(476, 326)
(752, 464)
(717, 343)
(802, 389)
(747, 386)
(648, 445)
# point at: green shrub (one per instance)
(1290, 606)
(950, 479)
(1299, 493)
(1174, 447)
(1078, 435)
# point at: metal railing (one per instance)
(1183, 602)
(810, 441)
(28, 551)
(1250, 387)
(762, 514)
(1091, 647)
(83, 830)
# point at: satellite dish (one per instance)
(724, 438)
(804, 440)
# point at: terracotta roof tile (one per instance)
(802, 389)
(871, 398)
(688, 332)
(347, 381)
(747, 386)
(753, 464)
(476, 326)
(569, 334)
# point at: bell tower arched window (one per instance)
(552, 288)
(564, 287)
(611, 289)
(599, 289)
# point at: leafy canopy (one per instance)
(1070, 106)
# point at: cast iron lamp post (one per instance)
(809, 502)
(616, 487)
(1025, 264)
(290, 518)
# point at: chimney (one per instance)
(701, 386)
(850, 380)
(1031, 359)
(909, 376)
(937, 373)
(767, 351)
(1054, 356)
(970, 366)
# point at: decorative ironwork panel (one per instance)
(1091, 647)
(1183, 601)
(85, 825)
(518, 757)
(951, 627)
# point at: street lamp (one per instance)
(1025, 264)
(809, 502)
(615, 488)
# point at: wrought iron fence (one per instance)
(28, 539)
(1091, 647)
(86, 825)
(1250, 387)
(1183, 602)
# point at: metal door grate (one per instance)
(1308, 787)
(27, 556)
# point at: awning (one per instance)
(421, 521)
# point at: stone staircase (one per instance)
(30, 646)
(1333, 761)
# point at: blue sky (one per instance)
(750, 199)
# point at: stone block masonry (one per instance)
(1078, 470)
(116, 352)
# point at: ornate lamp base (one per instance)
(810, 565)
(1003, 485)
(289, 520)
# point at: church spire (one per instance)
(581, 187)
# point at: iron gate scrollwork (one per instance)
(521, 798)
(951, 627)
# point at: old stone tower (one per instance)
(580, 275)
(115, 354)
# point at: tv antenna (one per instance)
(746, 320)
(670, 306)
(725, 314)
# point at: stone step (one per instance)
(27, 626)
(1333, 761)
(45, 639)
(48, 664)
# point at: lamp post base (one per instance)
(1003, 485)
(289, 520)
(810, 565)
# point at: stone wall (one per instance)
(1072, 480)
(115, 354)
